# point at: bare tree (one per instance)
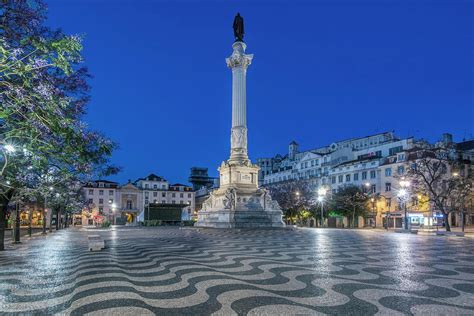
(443, 176)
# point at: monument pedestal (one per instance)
(239, 202)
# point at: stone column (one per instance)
(238, 62)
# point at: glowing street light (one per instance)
(404, 183)
(403, 196)
(402, 193)
(9, 148)
(322, 191)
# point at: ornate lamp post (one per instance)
(45, 211)
(321, 195)
(114, 207)
(374, 213)
(403, 196)
(297, 203)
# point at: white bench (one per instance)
(95, 243)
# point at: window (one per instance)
(101, 201)
(189, 195)
(173, 195)
(91, 191)
(401, 169)
(372, 174)
(312, 163)
(388, 172)
(163, 186)
(90, 201)
(356, 177)
(111, 192)
(146, 185)
(394, 150)
(101, 192)
(163, 201)
(146, 201)
(364, 175)
(388, 187)
(163, 194)
(374, 188)
(333, 179)
(302, 165)
(155, 194)
(101, 185)
(146, 194)
(155, 186)
(155, 201)
(348, 177)
(388, 203)
(401, 157)
(129, 204)
(339, 179)
(181, 202)
(101, 210)
(181, 195)
(174, 202)
(111, 201)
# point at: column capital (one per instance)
(239, 59)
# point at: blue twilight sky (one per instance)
(322, 71)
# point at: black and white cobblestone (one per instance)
(224, 272)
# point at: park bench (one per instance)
(96, 243)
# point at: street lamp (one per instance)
(9, 148)
(298, 201)
(114, 206)
(374, 214)
(403, 196)
(321, 195)
(45, 210)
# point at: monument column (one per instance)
(238, 62)
(239, 202)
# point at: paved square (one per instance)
(171, 271)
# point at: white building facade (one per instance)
(126, 204)
(375, 163)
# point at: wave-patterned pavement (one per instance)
(147, 271)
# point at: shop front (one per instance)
(35, 217)
(393, 220)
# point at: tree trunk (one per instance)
(446, 221)
(4, 200)
(353, 217)
(58, 214)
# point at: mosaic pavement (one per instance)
(179, 272)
